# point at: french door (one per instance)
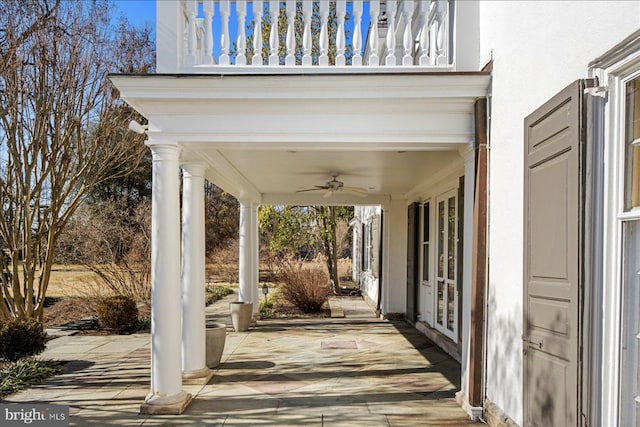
(446, 296)
(630, 336)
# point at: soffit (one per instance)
(265, 137)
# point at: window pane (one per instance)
(632, 154)
(425, 222)
(630, 351)
(440, 302)
(451, 245)
(426, 227)
(425, 262)
(451, 311)
(441, 232)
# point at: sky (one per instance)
(138, 12)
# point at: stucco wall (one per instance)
(538, 48)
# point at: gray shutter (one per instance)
(553, 260)
(413, 260)
(375, 245)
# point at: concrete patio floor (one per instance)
(353, 371)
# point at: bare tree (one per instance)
(114, 243)
(61, 132)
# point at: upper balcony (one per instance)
(219, 36)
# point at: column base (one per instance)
(474, 412)
(199, 377)
(255, 318)
(155, 404)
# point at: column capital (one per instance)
(164, 151)
(248, 203)
(467, 152)
(194, 169)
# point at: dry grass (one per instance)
(71, 281)
(73, 288)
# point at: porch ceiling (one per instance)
(264, 137)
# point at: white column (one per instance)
(245, 276)
(255, 259)
(166, 372)
(468, 154)
(193, 272)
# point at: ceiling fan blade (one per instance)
(318, 187)
(356, 191)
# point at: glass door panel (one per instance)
(446, 295)
(630, 381)
(440, 304)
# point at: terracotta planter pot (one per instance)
(216, 334)
(241, 314)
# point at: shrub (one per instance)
(266, 308)
(214, 292)
(20, 338)
(25, 373)
(118, 313)
(307, 289)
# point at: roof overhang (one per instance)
(265, 136)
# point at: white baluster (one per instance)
(391, 33)
(274, 37)
(258, 9)
(441, 15)
(374, 11)
(241, 11)
(356, 60)
(424, 33)
(323, 60)
(192, 37)
(341, 10)
(225, 11)
(290, 59)
(407, 38)
(307, 9)
(208, 10)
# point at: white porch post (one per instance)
(193, 274)
(468, 154)
(245, 275)
(255, 259)
(166, 394)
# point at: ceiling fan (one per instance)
(335, 186)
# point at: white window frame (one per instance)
(452, 334)
(426, 286)
(614, 76)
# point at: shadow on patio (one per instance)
(358, 371)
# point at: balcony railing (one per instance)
(301, 34)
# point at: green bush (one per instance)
(214, 292)
(266, 308)
(307, 289)
(25, 373)
(20, 338)
(118, 313)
